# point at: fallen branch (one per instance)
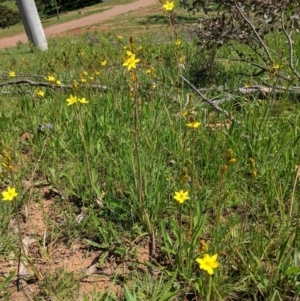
(44, 84)
(213, 104)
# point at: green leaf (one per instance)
(6, 281)
(128, 295)
(97, 245)
(292, 270)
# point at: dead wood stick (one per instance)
(215, 106)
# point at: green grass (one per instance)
(121, 158)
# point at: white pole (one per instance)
(32, 23)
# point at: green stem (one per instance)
(22, 253)
(180, 237)
(193, 183)
(81, 128)
(138, 161)
(209, 289)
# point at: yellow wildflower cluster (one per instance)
(75, 84)
(178, 42)
(11, 72)
(7, 167)
(189, 114)
(149, 70)
(53, 80)
(207, 263)
(73, 99)
(185, 176)
(103, 62)
(203, 246)
(84, 76)
(39, 92)
(274, 68)
(229, 161)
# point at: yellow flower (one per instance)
(208, 263)
(103, 63)
(83, 80)
(168, 6)
(229, 154)
(252, 163)
(224, 169)
(82, 100)
(72, 100)
(75, 84)
(119, 37)
(149, 70)
(232, 161)
(193, 125)
(80, 53)
(129, 53)
(184, 113)
(58, 82)
(40, 93)
(12, 74)
(178, 42)
(181, 196)
(181, 58)
(203, 246)
(131, 62)
(91, 78)
(96, 72)
(140, 48)
(9, 194)
(50, 78)
(83, 73)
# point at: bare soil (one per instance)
(52, 256)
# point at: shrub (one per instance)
(8, 17)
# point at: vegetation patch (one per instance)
(135, 168)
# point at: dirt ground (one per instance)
(50, 256)
(94, 19)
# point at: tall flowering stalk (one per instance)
(192, 125)
(130, 63)
(11, 195)
(75, 100)
(180, 196)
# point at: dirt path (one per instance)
(89, 20)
